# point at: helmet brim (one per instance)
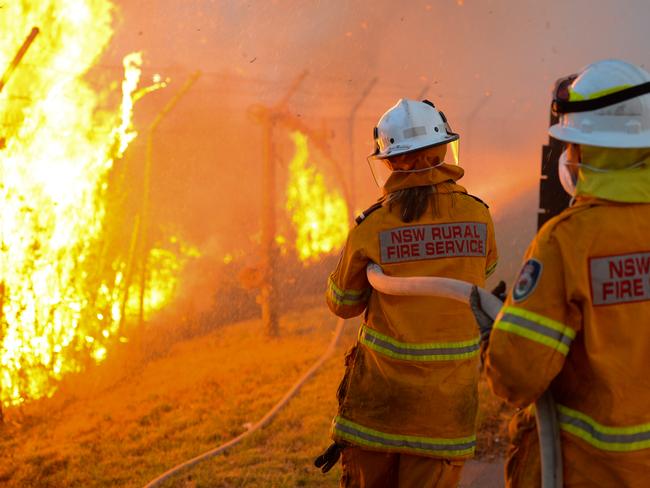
(389, 154)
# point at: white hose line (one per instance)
(431, 286)
(546, 417)
(263, 421)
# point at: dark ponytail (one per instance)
(412, 202)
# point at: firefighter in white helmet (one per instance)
(408, 400)
(578, 318)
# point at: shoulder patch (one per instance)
(363, 215)
(527, 281)
(477, 199)
(623, 278)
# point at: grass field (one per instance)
(127, 421)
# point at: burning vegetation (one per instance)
(78, 265)
(66, 284)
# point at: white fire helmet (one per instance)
(607, 104)
(406, 127)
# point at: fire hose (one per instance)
(545, 413)
(262, 422)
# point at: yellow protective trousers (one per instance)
(373, 469)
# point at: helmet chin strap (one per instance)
(422, 170)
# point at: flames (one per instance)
(319, 216)
(66, 287)
(63, 295)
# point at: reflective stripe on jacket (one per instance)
(578, 321)
(432, 351)
(412, 383)
(607, 438)
(363, 436)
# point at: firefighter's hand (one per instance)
(483, 320)
(499, 291)
(329, 457)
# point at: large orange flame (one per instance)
(57, 312)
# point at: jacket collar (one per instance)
(440, 174)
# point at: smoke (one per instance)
(488, 64)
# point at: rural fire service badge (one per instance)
(527, 281)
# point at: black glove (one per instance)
(499, 291)
(483, 320)
(329, 457)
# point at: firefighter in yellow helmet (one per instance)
(578, 318)
(408, 400)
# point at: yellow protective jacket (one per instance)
(411, 380)
(578, 321)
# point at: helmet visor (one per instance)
(453, 153)
(381, 170)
